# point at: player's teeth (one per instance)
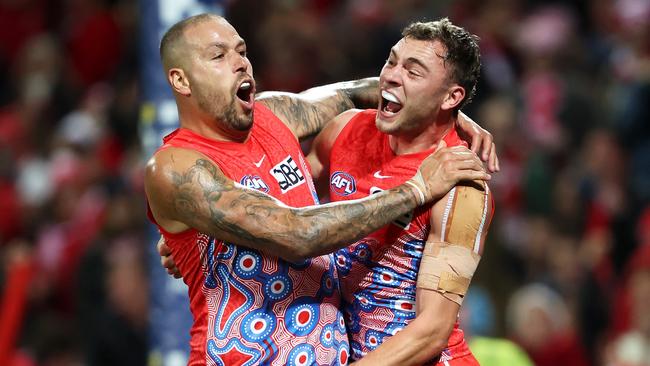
(245, 85)
(389, 97)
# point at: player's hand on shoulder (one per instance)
(445, 167)
(480, 140)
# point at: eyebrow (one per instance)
(411, 60)
(223, 45)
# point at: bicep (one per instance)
(459, 224)
(463, 216)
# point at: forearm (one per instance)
(299, 233)
(204, 199)
(362, 93)
(323, 229)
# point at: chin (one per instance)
(244, 123)
(386, 126)
(237, 118)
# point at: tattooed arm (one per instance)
(185, 190)
(306, 113)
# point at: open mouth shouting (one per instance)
(390, 105)
(246, 93)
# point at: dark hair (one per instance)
(463, 52)
(175, 34)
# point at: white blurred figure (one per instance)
(540, 321)
(632, 348)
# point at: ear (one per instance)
(454, 96)
(179, 81)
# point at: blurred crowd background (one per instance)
(565, 90)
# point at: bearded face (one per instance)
(226, 106)
(220, 74)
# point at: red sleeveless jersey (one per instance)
(251, 308)
(378, 274)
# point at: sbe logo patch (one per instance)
(287, 174)
(343, 184)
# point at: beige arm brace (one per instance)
(450, 259)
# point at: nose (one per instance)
(240, 63)
(391, 75)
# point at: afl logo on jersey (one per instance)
(343, 184)
(254, 182)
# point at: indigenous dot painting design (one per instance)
(247, 264)
(378, 282)
(404, 308)
(393, 328)
(264, 310)
(362, 253)
(341, 324)
(344, 354)
(257, 326)
(343, 262)
(414, 248)
(364, 301)
(302, 355)
(328, 284)
(278, 287)
(327, 336)
(250, 307)
(233, 350)
(302, 317)
(373, 339)
(378, 274)
(225, 251)
(386, 277)
(354, 321)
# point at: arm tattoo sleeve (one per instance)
(206, 200)
(308, 112)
